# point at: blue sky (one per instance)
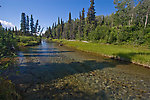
(47, 11)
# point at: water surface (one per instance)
(49, 71)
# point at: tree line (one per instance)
(27, 25)
(129, 24)
(12, 38)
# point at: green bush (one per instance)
(28, 41)
(7, 43)
(99, 33)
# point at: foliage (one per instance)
(28, 41)
(130, 24)
(27, 25)
(10, 44)
(7, 43)
(23, 23)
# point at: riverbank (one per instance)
(135, 54)
(24, 41)
(7, 87)
(8, 52)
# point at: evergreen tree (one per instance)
(27, 24)
(91, 13)
(32, 25)
(23, 23)
(54, 34)
(103, 21)
(13, 30)
(58, 30)
(83, 17)
(82, 23)
(36, 26)
(62, 28)
(16, 32)
(80, 27)
(69, 21)
(69, 35)
(75, 29)
(80, 16)
(50, 32)
(55, 25)
(58, 21)
(0, 24)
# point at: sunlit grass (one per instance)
(28, 41)
(131, 53)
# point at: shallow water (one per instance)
(50, 72)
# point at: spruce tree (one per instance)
(32, 25)
(69, 21)
(82, 22)
(58, 21)
(36, 26)
(79, 26)
(27, 24)
(50, 32)
(62, 27)
(103, 21)
(83, 16)
(0, 24)
(55, 35)
(91, 13)
(16, 32)
(23, 23)
(69, 33)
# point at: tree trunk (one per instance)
(132, 18)
(146, 20)
(129, 22)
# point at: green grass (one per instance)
(140, 55)
(28, 41)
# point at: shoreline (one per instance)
(100, 54)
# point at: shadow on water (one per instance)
(43, 48)
(41, 52)
(40, 56)
(34, 74)
(51, 71)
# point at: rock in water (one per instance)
(61, 44)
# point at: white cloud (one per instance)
(6, 24)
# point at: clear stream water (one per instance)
(49, 71)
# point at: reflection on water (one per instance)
(48, 71)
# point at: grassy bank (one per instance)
(138, 55)
(28, 41)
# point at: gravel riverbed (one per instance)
(49, 72)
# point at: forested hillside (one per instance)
(129, 24)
